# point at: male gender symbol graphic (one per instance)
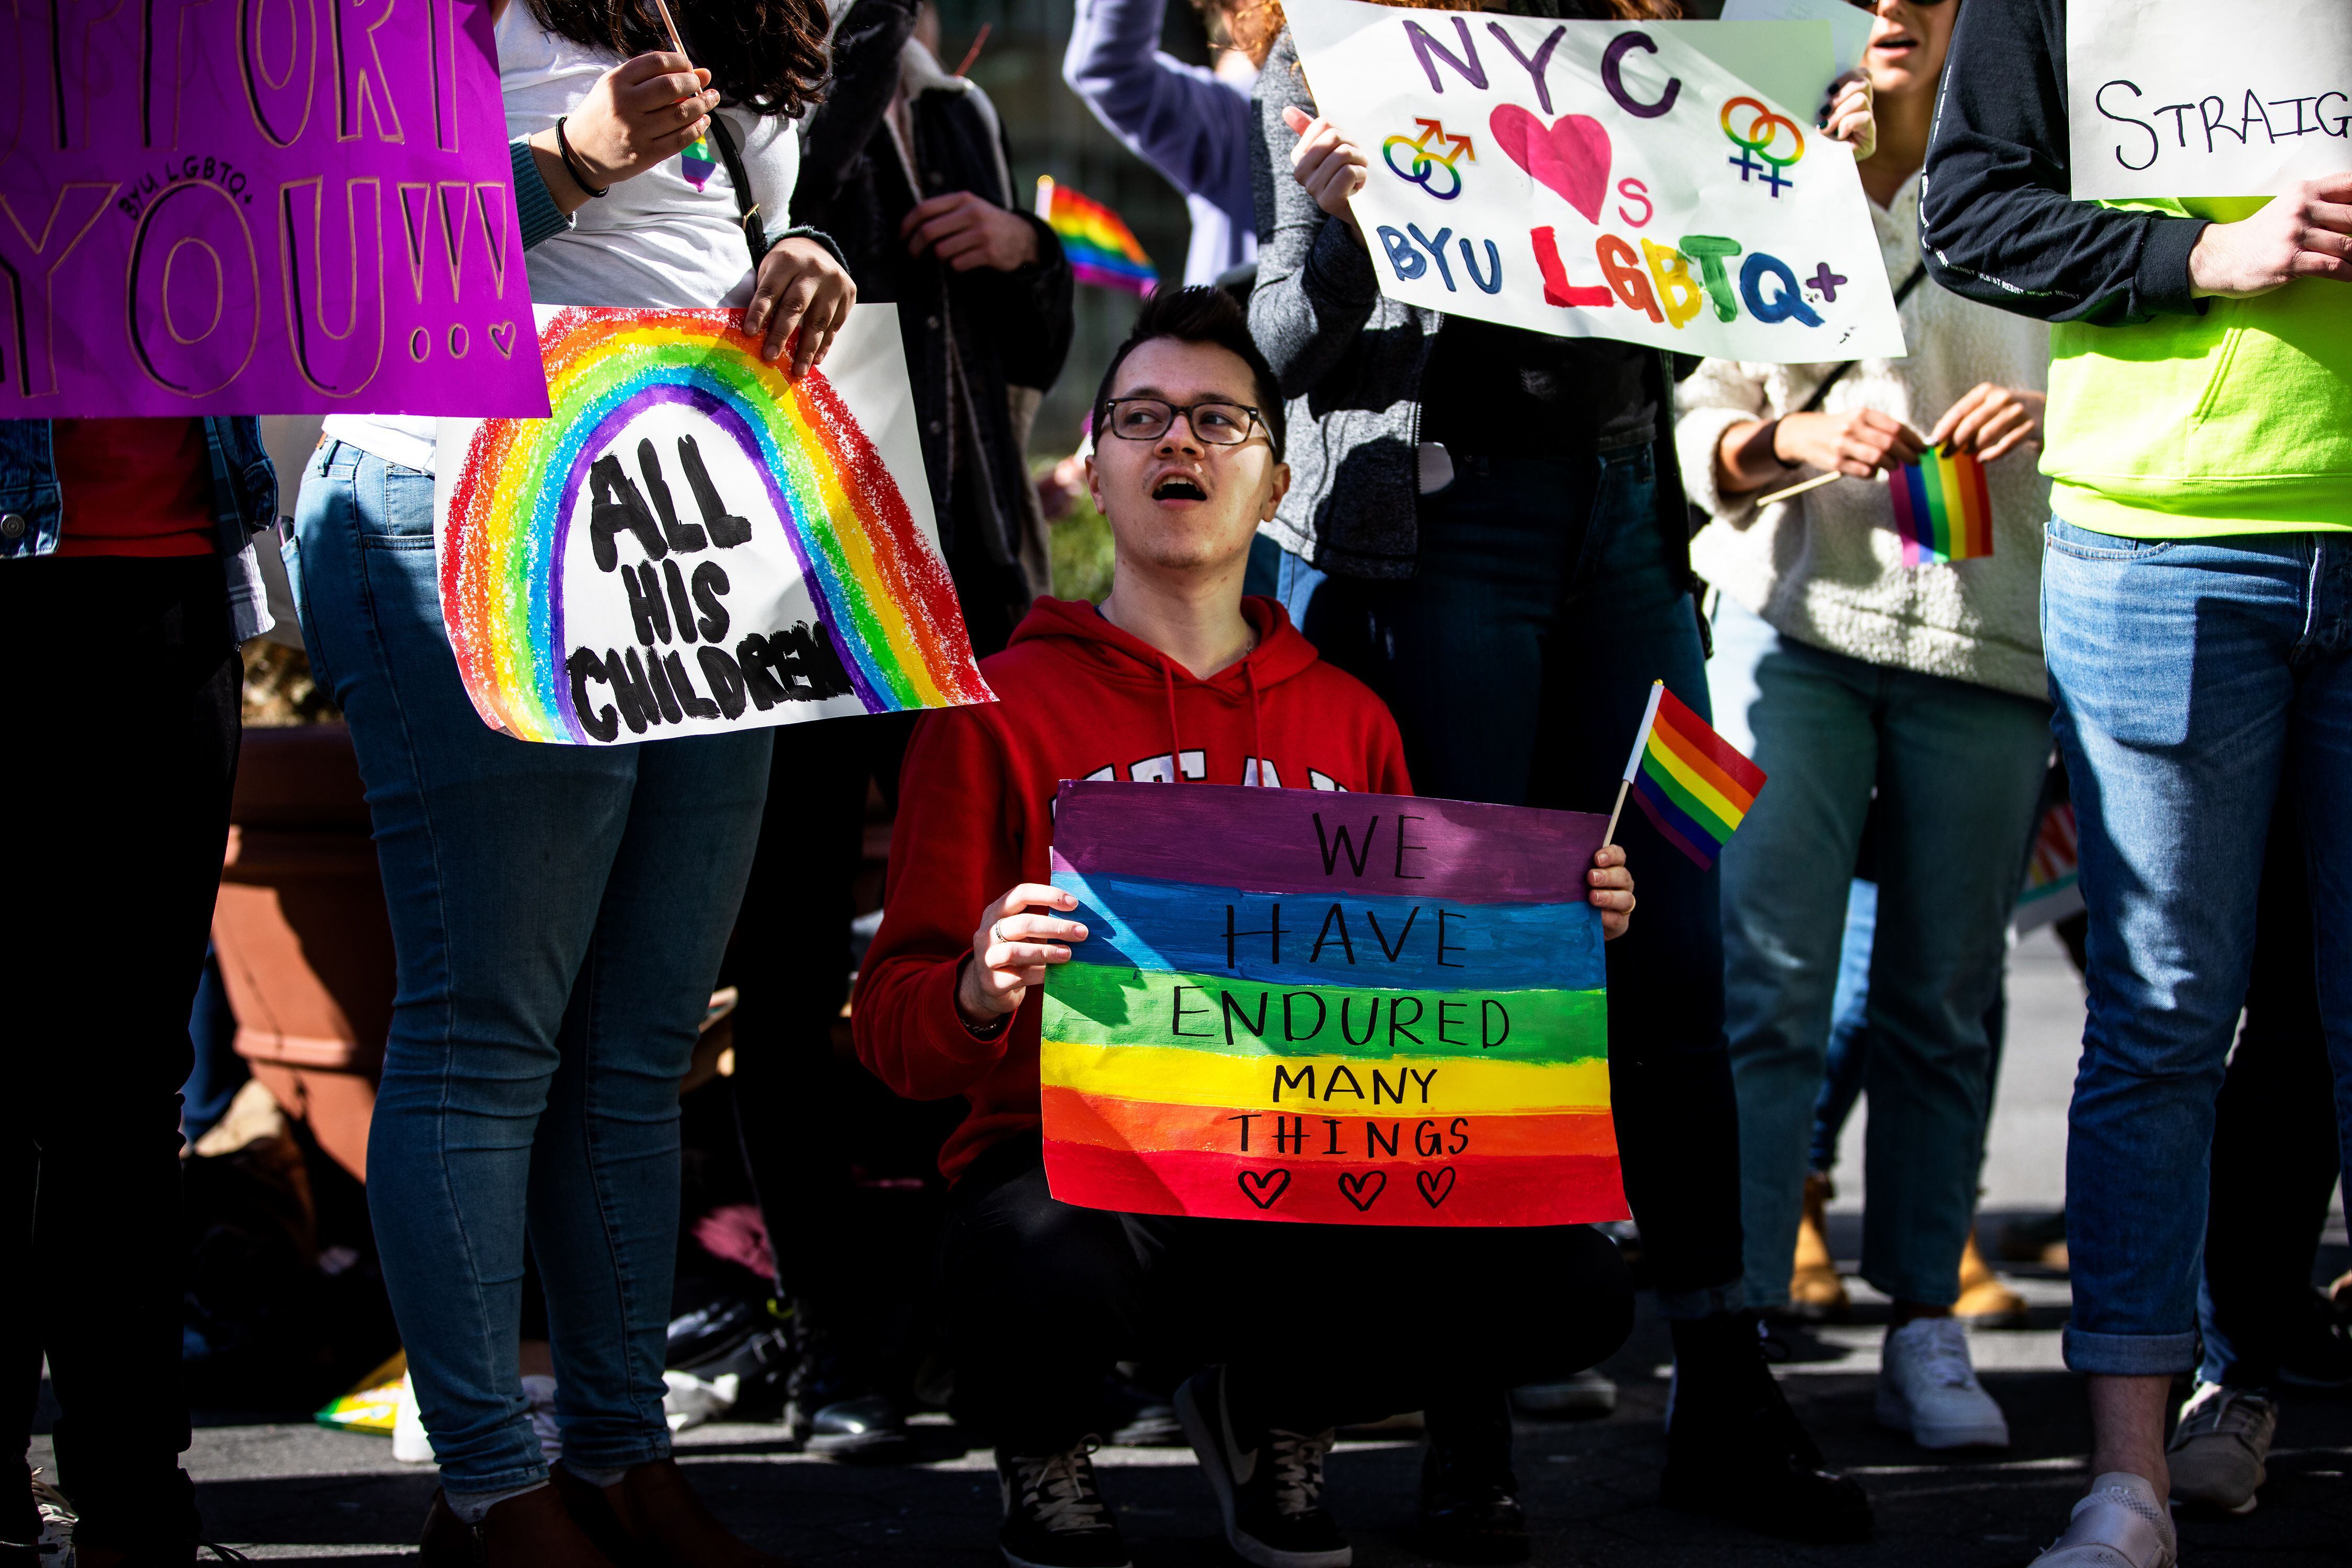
(1426, 160)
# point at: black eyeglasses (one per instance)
(1149, 418)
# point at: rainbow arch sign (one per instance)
(694, 544)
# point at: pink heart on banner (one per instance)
(503, 344)
(1570, 155)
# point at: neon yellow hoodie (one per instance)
(2237, 421)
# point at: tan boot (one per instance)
(1985, 1302)
(1816, 1294)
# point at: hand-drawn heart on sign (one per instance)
(1570, 156)
(1261, 1187)
(1435, 1184)
(1362, 1188)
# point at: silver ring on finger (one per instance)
(996, 933)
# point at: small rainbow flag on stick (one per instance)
(1102, 250)
(1942, 509)
(1695, 787)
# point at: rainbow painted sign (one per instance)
(1335, 1008)
(1641, 180)
(694, 544)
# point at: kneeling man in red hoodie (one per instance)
(1304, 1328)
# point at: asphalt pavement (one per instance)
(286, 1491)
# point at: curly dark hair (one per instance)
(767, 54)
(1254, 25)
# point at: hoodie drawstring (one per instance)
(1257, 723)
(1175, 742)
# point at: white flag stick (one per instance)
(1634, 762)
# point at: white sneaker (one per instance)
(2119, 1525)
(2217, 1451)
(1927, 1387)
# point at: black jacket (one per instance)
(1996, 222)
(1003, 330)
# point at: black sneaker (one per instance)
(1054, 1516)
(1469, 1510)
(1269, 1484)
(1735, 1451)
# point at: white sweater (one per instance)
(1827, 568)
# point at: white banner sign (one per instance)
(694, 544)
(1850, 28)
(1596, 179)
(2190, 97)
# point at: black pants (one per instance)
(1517, 659)
(791, 961)
(2275, 1157)
(120, 703)
(1318, 1325)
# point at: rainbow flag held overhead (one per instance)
(1101, 248)
(1693, 786)
(1942, 509)
(1327, 1007)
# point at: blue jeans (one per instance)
(2194, 678)
(1517, 659)
(1959, 771)
(1849, 1049)
(559, 913)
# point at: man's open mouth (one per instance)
(1177, 487)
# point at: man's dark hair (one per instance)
(1198, 315)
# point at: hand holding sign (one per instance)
(1331, 168)
(1012, 948)
(2304, 232)
(1852, 116)
(1612, 890)
(803, 289)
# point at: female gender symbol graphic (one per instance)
(1762, 132)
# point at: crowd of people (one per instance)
(1358, 545)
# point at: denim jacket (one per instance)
(245, 500)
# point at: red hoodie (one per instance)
(1077, 699)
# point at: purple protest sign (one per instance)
(259, 206)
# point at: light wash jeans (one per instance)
(1959, 771)
(559, 913)
(2194, 678)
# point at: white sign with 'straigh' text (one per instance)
(2207, 98)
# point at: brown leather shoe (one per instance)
(669, 1526)
(1816, 1294)
(533, 1531)
(1985, 1302)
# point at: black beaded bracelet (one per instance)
(572, 160)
